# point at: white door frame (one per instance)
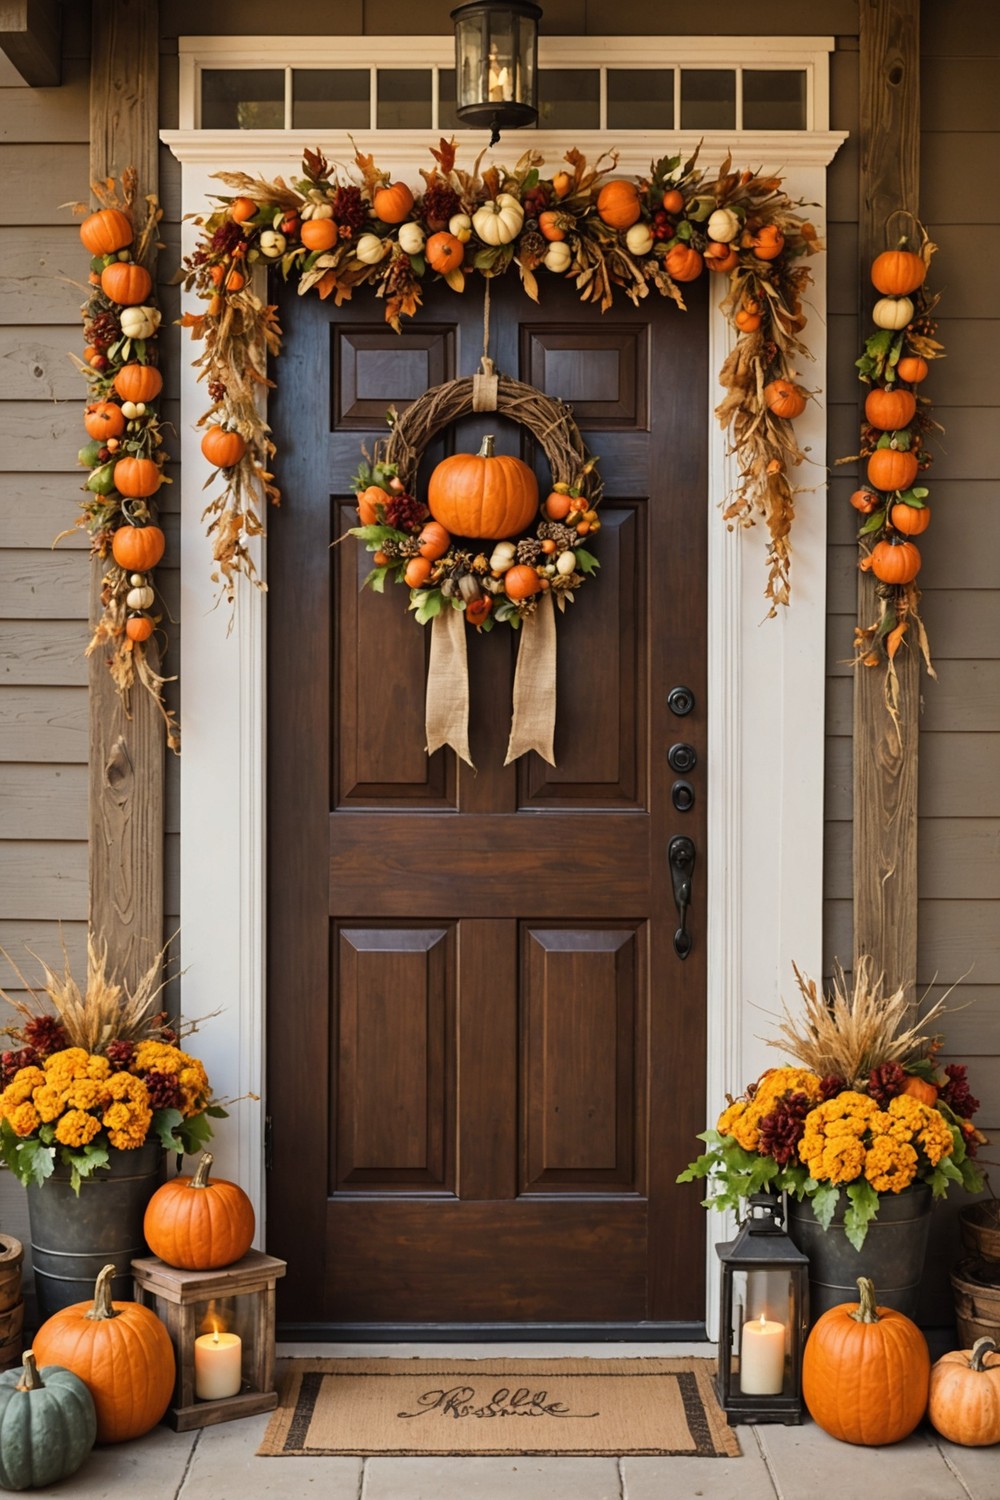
(766, 682)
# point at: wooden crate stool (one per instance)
(239, 1299)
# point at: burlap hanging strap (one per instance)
(533, 720)
(446, 706)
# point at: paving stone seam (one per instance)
(952, 1469)
(187, 1467)
(768, 1466)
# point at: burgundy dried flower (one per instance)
(404, 513)
(164, 1090)
(120, 1055)
(782, 1129)
(225, 239)
(10, 1062)
(830, 1087)
(46, 1035)
(886, 1083)
(349, 208)
(439, 203)
(956, 1091)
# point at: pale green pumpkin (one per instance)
(47, 1425)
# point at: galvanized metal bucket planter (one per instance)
(892, 1256)
(72, 1236)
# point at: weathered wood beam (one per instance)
(30, 35)
(126, 748)
(885, 759)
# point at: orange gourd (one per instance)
(896, 273)
(964, 1399)
(720, 257)
(138, 627)
(484, 494)
(137, 477)
(683, 262)
(444, 252)
(106, 231)
(890, 410)
(520, 582)
(768, 242)
(895, 562)
(319, 234)
(392, 203)
(618, 203)
(912, 369)
(417, 572)
(223, 448)
(197, 1224)
(911, 520)
(558, 506)
(865, 1372)
(673, 200)
(126, 283)
(433, 541)
(920, 1088)
(104, 419)
(138, 548)
(866, 501)
(138, 382)
(746, 321)
(552, 225)
(243, 209)
(784, 399)
(368, 499)
(122, 1353)
(892, 469)
(477, 611)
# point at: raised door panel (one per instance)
(374, 368)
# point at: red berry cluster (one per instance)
(661, 226)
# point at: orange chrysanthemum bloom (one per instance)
(77, 1128)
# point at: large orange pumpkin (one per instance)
(898, 272)
(126, 283)
(197, 1224)
(892, 469)
(895, 562)
(890, 410)
(137, 477)
(865, 1372)
(138, 382)
(618, 203)
(138, 548)
(104, 419)
(964, 1401)
(483, 494)
(106, 231)
(122, 1353)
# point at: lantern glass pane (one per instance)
(640, 98)
(242, 99)
(404, 99)
(527, 33)
(774, 99)
(471, 52)
(708, 99)
(501, 77)
(571, 99)
(331, 98)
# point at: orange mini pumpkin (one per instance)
(319, 234)
(768, 242)
(106, 231)
(368, 499)
(222, 447)
(520, 582)
(392, 203)
(673, 200)
(417, 572)
(895, 562)
(126, 283)
(892, 469)
(197, 1224)
(137, 477)
(138, 627)
(104, 419)
(444, 252)
(866, 501)
(911, 520)
(747, 321)
(683, 262)
(720, 257)
(919, 1088)
(433, 541)
(896, 273)
(618, 203)
(484, 494)
(242, 209)
(784, 399)
(122, 1353)
(912, 369)
(138, 382)
(964, 1399)
(890, 410)
(138, 548)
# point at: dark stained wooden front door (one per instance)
(486, 1062)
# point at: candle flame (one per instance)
(763, 1321)
(214, 1321)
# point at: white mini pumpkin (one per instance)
(558, 257)
(460, 225)
(499, 221)
(723, 226)
(411, 238)
(370, 249)
(892, 312)
(139, 322)
(272, 244)
(639, 239)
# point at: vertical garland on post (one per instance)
(125, 452)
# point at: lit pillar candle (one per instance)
(762, 1358)
(217, 1365)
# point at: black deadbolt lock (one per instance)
(682, 758)
(680, 701)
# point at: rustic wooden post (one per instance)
(126, 749)
(885, 760)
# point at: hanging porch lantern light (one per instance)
(763, 1319)
(496, 63)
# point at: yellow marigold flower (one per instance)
(194, 1088)
(936, 1138)
(726, 1121)
(843, 1160)
(62, 1067)
(777, 1082)
(890, 1165)
(77, 1128)
(50, 1102)
(883, 1123)
(22, 1086)
(24, 1118)
(98, 1067)
(125, 1086)
(127, 1125)
(86, 1093)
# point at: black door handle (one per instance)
(680, 857)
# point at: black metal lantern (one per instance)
(763, 1319)
(496, 63)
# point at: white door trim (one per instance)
(766, 683)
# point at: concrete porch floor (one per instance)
(778, 1463)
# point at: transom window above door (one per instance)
(616, 84)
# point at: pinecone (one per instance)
(885, 1083)
(46, 1035)
(409, 548)
(391, 549)
(563, 536)
(528, 551)
(10, 1062)
(102, 331)
(531, 247)
(783, 1128)
(216, 391)
(120, 1055)
(164, 1090)
(438, 205)
(349, 208)
(404, 513)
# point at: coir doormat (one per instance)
(426, 1406)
